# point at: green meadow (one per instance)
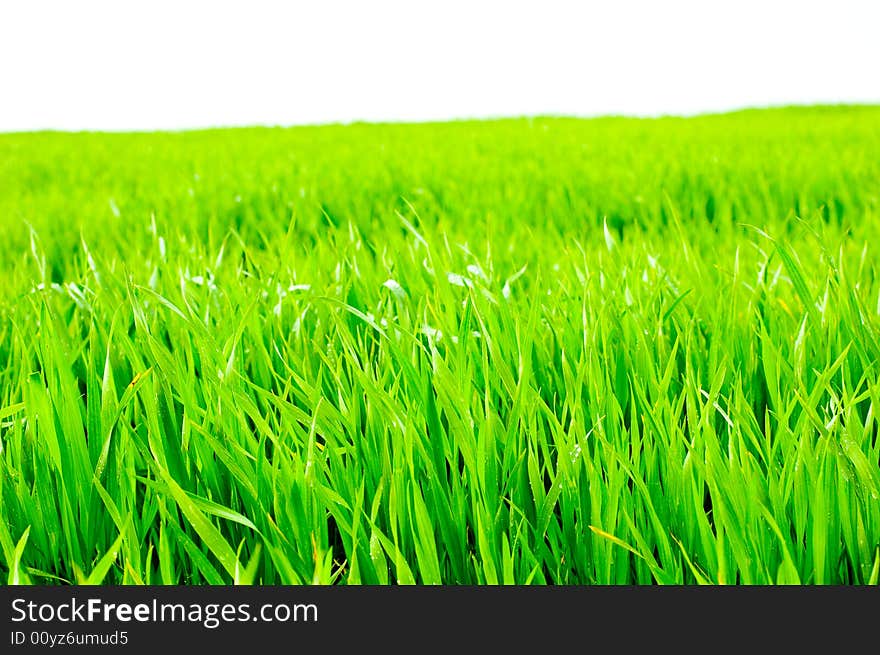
(530, 351)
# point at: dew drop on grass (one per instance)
(609, 240)
(432, 333)
(477, 271)
(395, 288)
(506, 291)
(459, 280)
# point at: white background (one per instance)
(153, 64)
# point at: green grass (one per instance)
(521, 351)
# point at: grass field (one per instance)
(522, 351)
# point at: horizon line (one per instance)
(454, 119)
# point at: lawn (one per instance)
(532, 351)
